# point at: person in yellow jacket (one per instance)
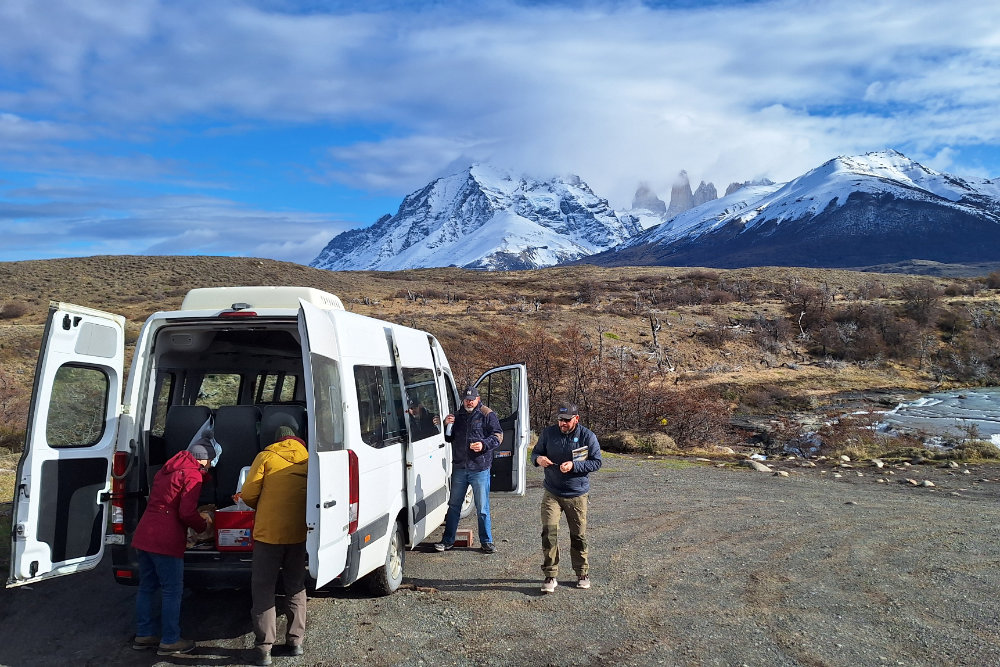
(276, 488)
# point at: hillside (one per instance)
(709, 324)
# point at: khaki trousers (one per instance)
(576, 517)
(268, 561)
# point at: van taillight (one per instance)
(118, 467)
(353, 478)
(238, 313)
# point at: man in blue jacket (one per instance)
(568, 452)
(474, 435)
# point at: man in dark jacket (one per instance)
(568, 452)
(474, 435)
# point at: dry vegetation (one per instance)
(666, 357)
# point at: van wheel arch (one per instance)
(387, 577)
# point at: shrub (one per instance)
(630, 442)
(13, 309)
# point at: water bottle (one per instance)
(447, 429)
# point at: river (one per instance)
(951, 413)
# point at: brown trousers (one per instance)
(268, 561)
(576, 517)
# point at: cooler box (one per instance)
(234, 530)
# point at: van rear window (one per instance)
(77, 407)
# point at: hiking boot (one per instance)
(583, 581)
(143, 643)
(292, 649)
(549, 585)
(488, 548)
(262, 656)
(179, 646)
(441, 546)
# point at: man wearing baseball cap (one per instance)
(568, 452)
(474, 436)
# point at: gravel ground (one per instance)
(692, 564)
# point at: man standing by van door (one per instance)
(568, 452)
(276, 488)
(475, 434)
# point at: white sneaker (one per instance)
(583, 581)
(549, 585)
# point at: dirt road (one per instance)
(692, 565)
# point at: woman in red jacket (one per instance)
(160, 540)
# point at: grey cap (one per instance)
(202, 450)
(470, 393)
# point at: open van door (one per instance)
(329, 517)
(505, 391)
(63, 477)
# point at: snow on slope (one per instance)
(830, 184)
(483, 217)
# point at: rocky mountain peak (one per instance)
(647, 200)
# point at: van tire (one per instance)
(387, 578)
(468, 503)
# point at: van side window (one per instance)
(452, 394)
(275, 388)
(218, 389)
(380, 405)
(77, 406)
(421, 392)
(161, 402)
(329, 415)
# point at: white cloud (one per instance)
(618, 92)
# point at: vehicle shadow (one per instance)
(530, 587)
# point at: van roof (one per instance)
(282, 296)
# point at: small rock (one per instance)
(845, 458)
(851, 502)
(781, 473)
(952, 464)
(878, 463)
(807, 464)
(966, 472)
(757, 465)
(860, 474)
(837, 475)
(882, 480)
(927, 482)
(845, 465)
(912, 482)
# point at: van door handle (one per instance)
(329, 503)
(441, 446)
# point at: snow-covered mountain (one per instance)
(849, 212)
(483, 218)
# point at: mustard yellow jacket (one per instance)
(276, 488)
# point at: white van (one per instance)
(242, 361)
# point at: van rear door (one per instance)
(63, 477)
(328, 511)
(505, 391)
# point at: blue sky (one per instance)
(266, 128)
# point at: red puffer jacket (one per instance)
(173, 507)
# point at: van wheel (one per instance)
(389, 576)
(468, 503)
